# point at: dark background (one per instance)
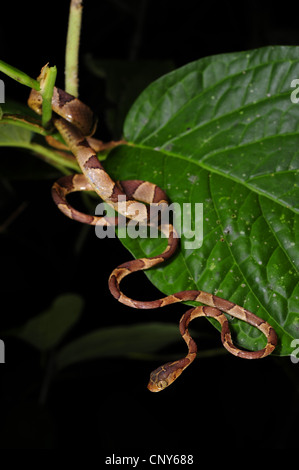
(104, 404)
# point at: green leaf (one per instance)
(223, 131)
(118, 342)
(45, 331)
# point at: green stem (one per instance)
(47, 93)
(72, 47)
(53, 158)
(19, 76)
(205, 354)
(26, 122)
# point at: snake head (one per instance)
(159, 378)
(157, 385)
(165, 375)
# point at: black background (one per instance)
(104, 404)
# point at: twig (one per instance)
(18, 75)
(13, 216)
(47, 82)
(72, 47)
(50, 368)
(205, 354)
(136, 42)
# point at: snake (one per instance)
(76, 123)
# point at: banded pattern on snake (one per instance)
(75, 123)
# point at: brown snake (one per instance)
(74, 121)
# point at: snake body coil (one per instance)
(75, 121)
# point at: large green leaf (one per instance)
(223, 131)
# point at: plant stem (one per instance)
(72, 47)
(53, 158)
(47, 93)
(205, 354)
(27, 122)
(13, 216)
(47, 379)
(18, 75)
(136, 43)
(63, 163)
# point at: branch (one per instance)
(18, 75)
(72, 47)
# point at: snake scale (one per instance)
(76, 124)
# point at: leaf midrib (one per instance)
(202, 164)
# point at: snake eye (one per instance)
(162, 384)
